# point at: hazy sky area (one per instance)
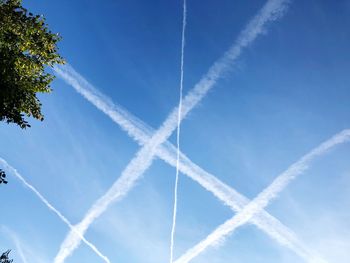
(286, 93)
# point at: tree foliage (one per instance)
(4, 258)
(27, 47)
(2, 177)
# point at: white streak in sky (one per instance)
(142, 133)
(264, 198)
(172, 235)
(17, 243)
(19, 249)
(13, 171)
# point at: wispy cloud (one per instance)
(172, 235)
(14, 172)
(265, 197)
(272, 10)
(136, 229)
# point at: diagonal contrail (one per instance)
(51, 207)
(172, 235)
(272, 10)
(265, 197)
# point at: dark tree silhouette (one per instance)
(2, 178)
(4, 258)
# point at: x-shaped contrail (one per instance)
(265, 197)
(141, 132)
(272, 10)
(152, 144)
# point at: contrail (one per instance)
(142, 133)
(131, 125)
(178, 131)
(19, 249)
(17, 243)
(265, 197)
(51, 207)
(143, 159)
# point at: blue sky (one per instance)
(286, 93)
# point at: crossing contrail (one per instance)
(272, 10)
(140, 132)
(265, 197)
(172, 235)
(51, 207)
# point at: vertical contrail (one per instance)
(272, 10)
(141, 133)
(51, 207)
(172, 235)
(265, 197)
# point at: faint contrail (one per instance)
(178, 131)
(264, 198)
(17, 243)
(51, 207)
(19, 249)
(143, 159)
